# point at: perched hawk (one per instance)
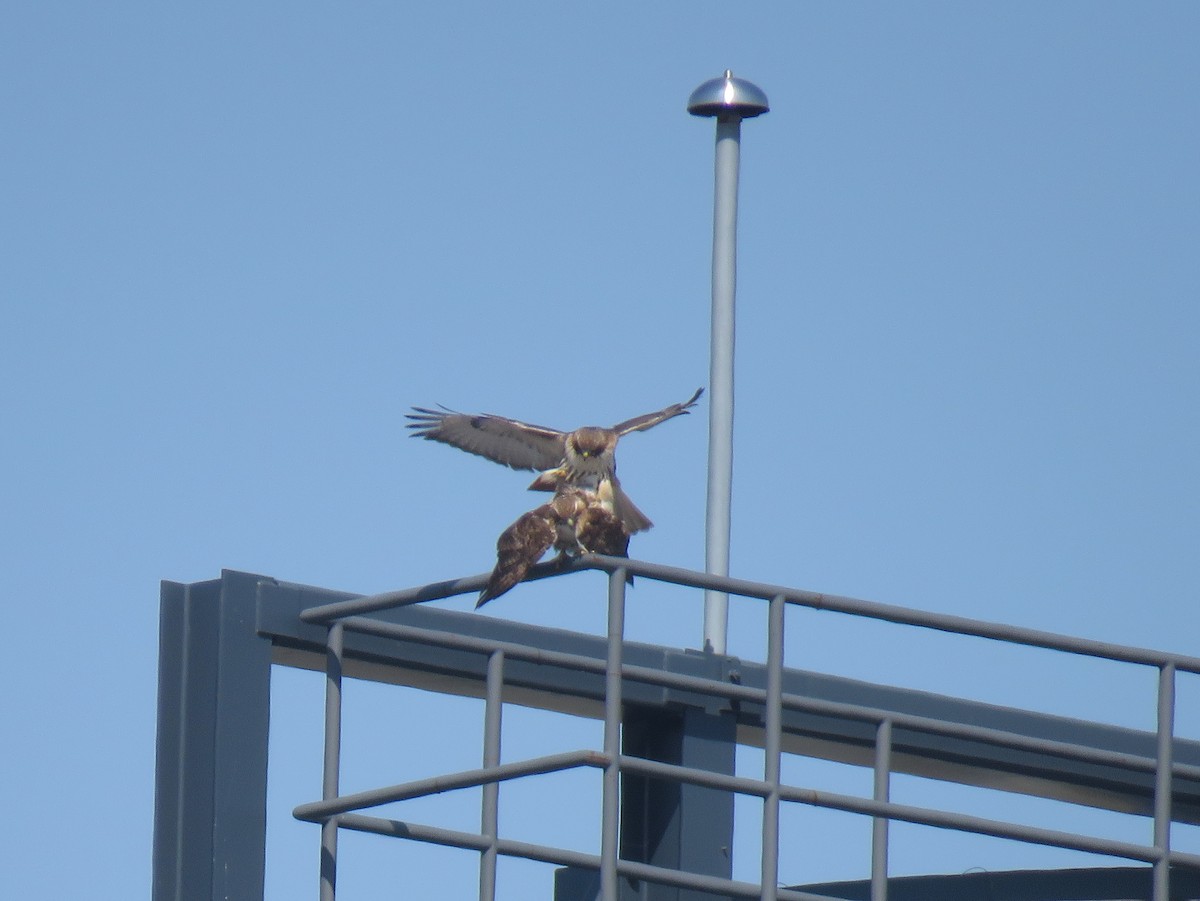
(582, 458)
(575, 522)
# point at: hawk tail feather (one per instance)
(626, 510)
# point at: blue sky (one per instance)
(240, 241)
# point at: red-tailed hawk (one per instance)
(582, 458)
(574, 522)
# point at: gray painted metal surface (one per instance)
(678, 715)
(331, 767)
(613, 704)
(490, 809)
(210, 798)
(669, 823)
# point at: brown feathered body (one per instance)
(575, 521)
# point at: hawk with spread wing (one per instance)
(582, 458)
(574, 522)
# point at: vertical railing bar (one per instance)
(489, 816)
(772, 748)
(880, 825)
(610, 823)
(1162, 780)
(331, 773)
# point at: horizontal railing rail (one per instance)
(321, 811)
(747, 693)
(942, 622)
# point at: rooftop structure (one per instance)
(673, 719)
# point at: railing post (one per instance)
(1163, 781)
(489, 815)
(331, 777)
(879, 825)
(611, 801)
(772, 748)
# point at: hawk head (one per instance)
(591, 450)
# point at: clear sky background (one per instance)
(239, 241)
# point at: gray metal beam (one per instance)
(211, 764)
(672, 824)
(183, 764)
(838, 723)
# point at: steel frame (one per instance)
(783, 710)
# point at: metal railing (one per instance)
(336, 812)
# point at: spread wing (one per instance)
(515, 444)
(649, 420)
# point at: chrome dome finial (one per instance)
(728, 96)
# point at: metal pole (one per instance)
(333, 752)
(1162, 781)
(730, 100)
(611, 799)
(489, 814)
(720, 421)
(772, 749)
(879, 826)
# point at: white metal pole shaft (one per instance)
(720, 423)
(729, 100)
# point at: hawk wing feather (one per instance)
(519, 547)
(649, 420)
(515, 444)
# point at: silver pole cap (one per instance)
(728, 96)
